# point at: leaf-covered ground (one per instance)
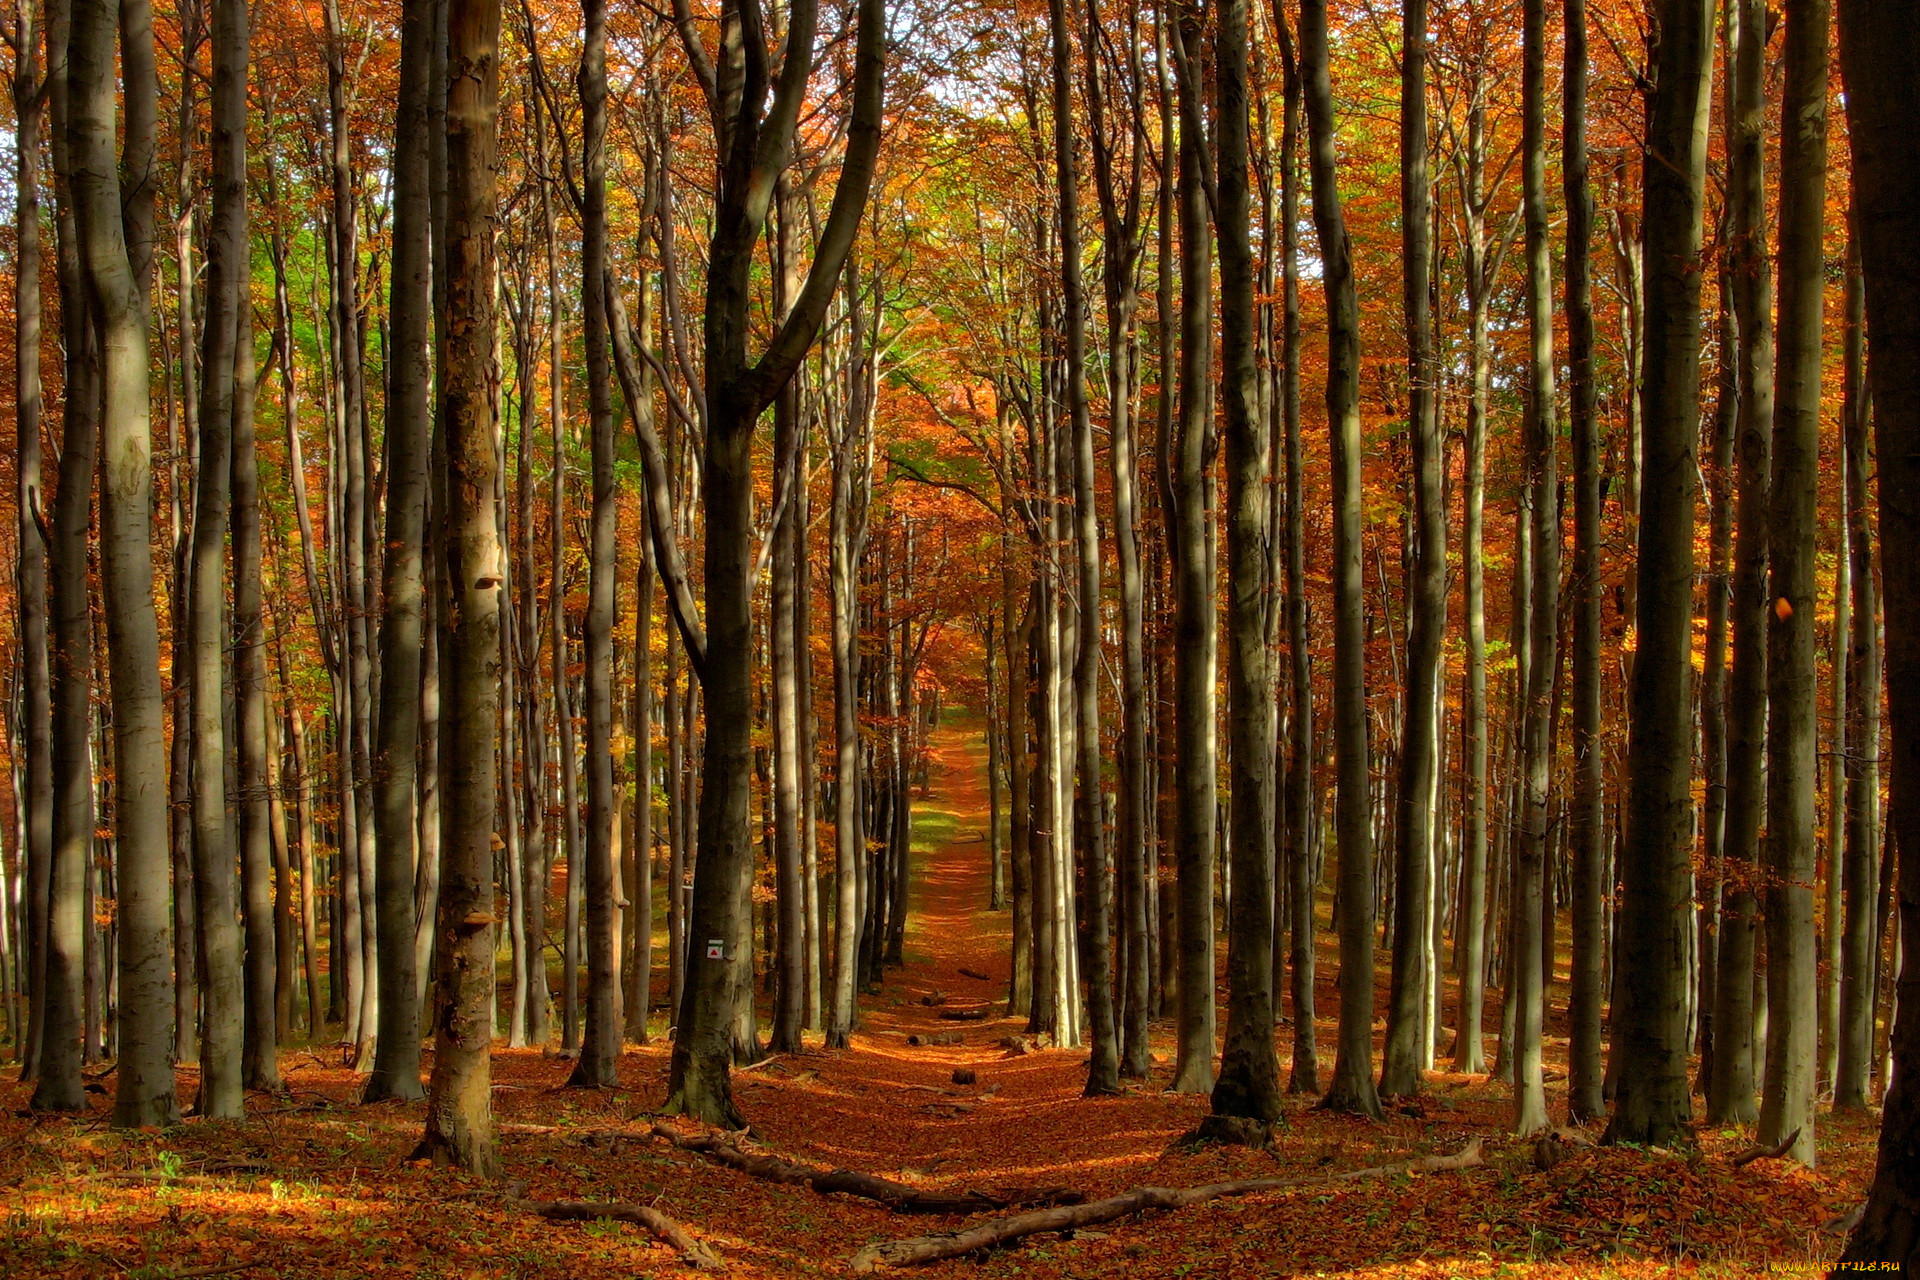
(314, 1185)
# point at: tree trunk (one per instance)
(1471, 956)
(459, 1128)
(396, 1066)
(1793, 728)
(846, 537)
(1352, 1089)
(35, 790)
(1120, 255)
(145, 1091)
(260, 1040)
(1730, 1090)
(600, 1046)
(1249, 1081)
(1195, 617)
(1409, 1040)
(639, 971)
(1860, 939)
(1878, 49)
(1089, 835)
(1650, 1105)
(786, 646)
(359, 885)
(1530, 912)
(1586, 818)
(1301, 809)
(216, 891)
(61, 902)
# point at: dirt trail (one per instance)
(893, 1106)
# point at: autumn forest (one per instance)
(1213, 637)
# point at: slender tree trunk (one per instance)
(1586, 817)
(786, 646)
(1301, 806)
(1352, 1089)
(1650, 1104)
(845, 535)
(1793, 729)
(1195, 619)
(1249, 1081)
(359, 886)
(753, 152)
(1860, 938)
(1730, 1089)
(1409, 1040)
(261, 1027)
(1530, 911)
(600, 1047)
(1718, 474)
(216, 891)
(396, 1066)
(1878, 48)
(115, 274)
(459, 1128)
(61, 903)
(1471, 957)
(34, 791)
(1089, 836)
(639, 971)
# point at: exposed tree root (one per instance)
(724, 1149)
(695, 1253)
(1751, 1154)
(1000, 1231)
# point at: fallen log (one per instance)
(1000, 1231)
(695, 1253)
(975, 974)
(897, 1196)
(979, 1014)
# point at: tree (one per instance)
(30, 572)
(1195, 623)
(216, 891)
(59, 897)
(1730, 1088)
(1352, 1088)
(1530, 960)
(396, 1064)
(1650, 1102)
(459, 1128)
(1121, 244)
(1301, 808)
(1249, 1081)
(1860, 938)
(1089, 835)
(1409, 1001)
(1586, 817)
(1793, 729)
(144, 1091)
(600, 1049)
(756, 136)
(1878, 48)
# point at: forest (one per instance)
(1205, 637)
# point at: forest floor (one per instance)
(314, 1185)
